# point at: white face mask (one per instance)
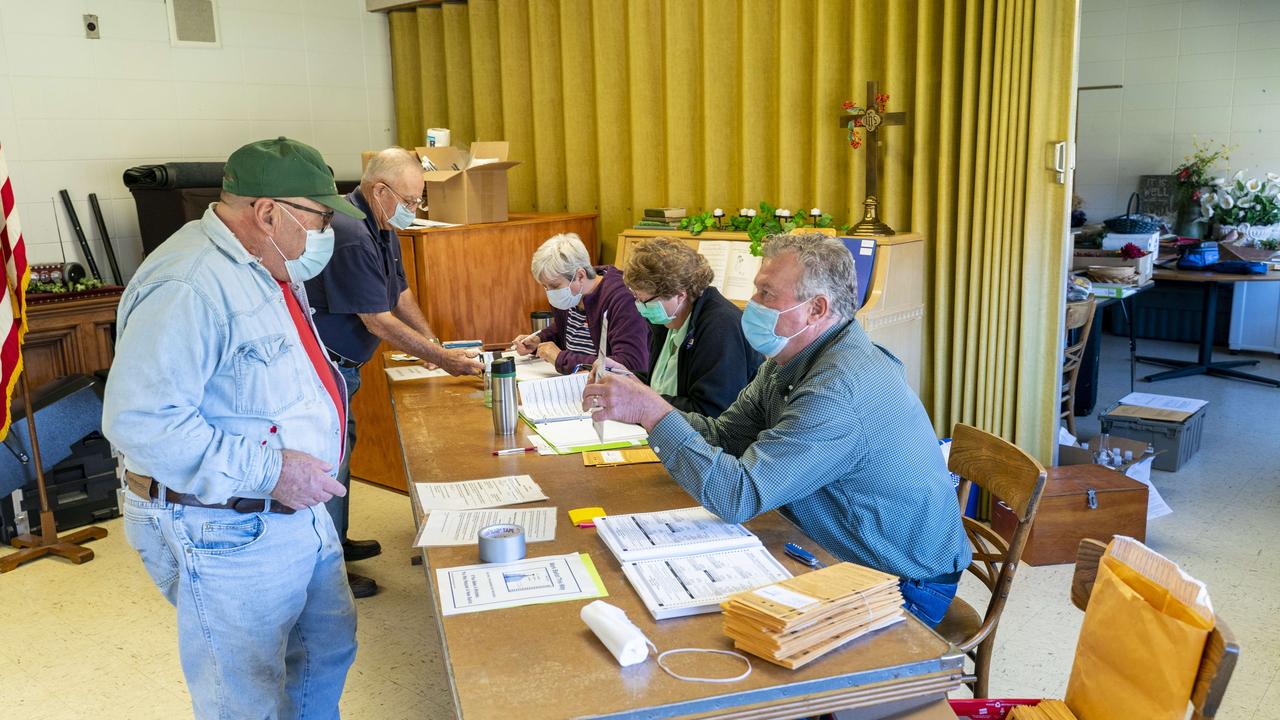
(315, 255)
(563, 298)
(402, 217)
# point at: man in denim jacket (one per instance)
(230, 419)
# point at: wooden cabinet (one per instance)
(75, 336)
(472, 283)
(893, 313)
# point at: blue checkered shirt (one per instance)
(837, 441)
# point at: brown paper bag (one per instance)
(1141, 641)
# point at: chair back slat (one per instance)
(997, 466)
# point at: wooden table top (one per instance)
(541, 661)
(1206, 276)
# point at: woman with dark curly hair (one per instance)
(698, 358)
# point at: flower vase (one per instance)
(1187, 223)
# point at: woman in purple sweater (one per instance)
(580, 294)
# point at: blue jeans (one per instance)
(927, 600)
(266, 621)
(339, 507)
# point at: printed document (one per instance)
(413, 372)
(577, 435)
(532, 367)
(553, 399)
(675, 587)
(1163, 402)
(740, 272)
(717, 254)
(668, 533)
(462, 527)
(492, 586)
(474, 494)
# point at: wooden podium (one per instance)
(473, 283)
(893, 312)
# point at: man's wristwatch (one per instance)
(435, 340)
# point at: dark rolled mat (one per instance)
(175, 175)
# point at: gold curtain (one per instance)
(617, 105)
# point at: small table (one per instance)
(1204, 364)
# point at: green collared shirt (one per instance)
(664, 380)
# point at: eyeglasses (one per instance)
(326, 216)
(411, 202)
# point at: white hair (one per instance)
(561, 255)
(826, 268)
(388, 165)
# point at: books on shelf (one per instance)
(664, 213)
(687, 561)
(796, 621)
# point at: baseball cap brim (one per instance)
(339, 204)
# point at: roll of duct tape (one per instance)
(501, 543)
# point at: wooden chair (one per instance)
(1220, 651)
(1016, 478)
(1079, 316)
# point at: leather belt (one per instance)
(343, 362)
(148, 488)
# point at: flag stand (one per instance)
(46, 542)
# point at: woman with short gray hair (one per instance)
(580, 294)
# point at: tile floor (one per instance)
(98, 641)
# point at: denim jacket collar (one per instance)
(224, 239)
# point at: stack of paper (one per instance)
(686, 562)
(797, 621)
(1158, 407)
(553, 399)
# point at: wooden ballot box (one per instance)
(1079, 501)
(473, 283)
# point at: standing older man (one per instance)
(362, 297)
(229, 418)
(828, 432)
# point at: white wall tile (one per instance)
(1203, 13)
(1099, 200)
(1258, 63)
(1157, 96)
(1149, 19)
(334, 35)
(340, 104)
(1102, 48)
(1099, 172)
(1147, 71)
(272, 66)
(1207, 66)
(1253, 118)
(1204, 93)
(1110, 100)
(1252, 11)
(1258, 90)
(1092, 147)
(132, 20)
(1106, 22)
(1193, 120)
(280, 102)
(334, 69)
(1147, 121)
(1161, 43)
(1219, 38)
(1098, 123)
(213, 101)
(1259, 36)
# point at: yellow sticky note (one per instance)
(581, 517)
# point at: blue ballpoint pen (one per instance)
(802, 556)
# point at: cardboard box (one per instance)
(1078, 502)
(1072, 455)
(1084, 259)
(467, 186)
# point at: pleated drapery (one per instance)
(613, 106)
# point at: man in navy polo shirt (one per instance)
(362, 298)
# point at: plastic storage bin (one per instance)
(1175, 442)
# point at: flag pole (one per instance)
(37, 545)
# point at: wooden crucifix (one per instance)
(870, 118)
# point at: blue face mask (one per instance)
(315, 255)
(402, 217)
(758, 324)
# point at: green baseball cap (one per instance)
(283, 168)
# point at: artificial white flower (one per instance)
(1219, 182)
(1273, 177)
(1238, 176)
(1245, 203)
(1254, 185)
(1226, 201)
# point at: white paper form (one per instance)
(474, 494)
(444, 528)
(645, 536)
(582, 433)
(717, 254)
(532, 367)
(413, 372)
(695, 584)
(492, 586)
(1163, 402)
(553, 399)
(740, 272)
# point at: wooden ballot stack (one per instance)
(797, 621)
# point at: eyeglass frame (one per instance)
(326, 216)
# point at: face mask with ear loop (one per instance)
(315, 255)
(402, 217)
(629, 645)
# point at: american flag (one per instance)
(13, 296)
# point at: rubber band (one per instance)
(686, 678)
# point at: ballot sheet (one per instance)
(694, 584)
(444, 528)
(475, 494)
(553, 399)
(413, 372)
(686, 531)
(493, 586)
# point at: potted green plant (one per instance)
(1191, 177)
